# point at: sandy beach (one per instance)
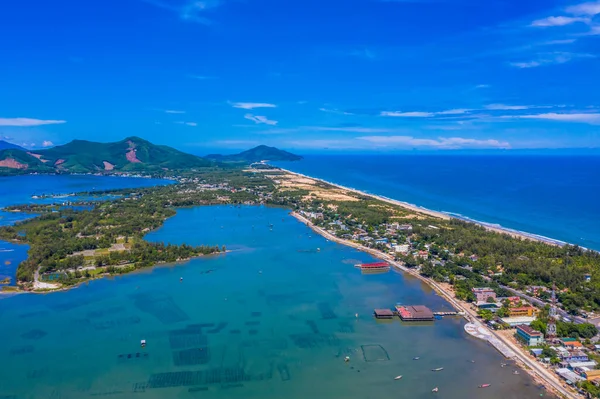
(415, 208)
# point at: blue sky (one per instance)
(310, 75)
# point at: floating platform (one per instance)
(373, 267)
(414, 313)
(383, 313)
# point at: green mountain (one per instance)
(79, 156)
(5, 145)
(257, 154)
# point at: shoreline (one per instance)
(521, 359)
(443, 215)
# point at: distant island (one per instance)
(257, 154)
(131, 155)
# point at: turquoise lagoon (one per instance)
(272, 318)
(16, 190)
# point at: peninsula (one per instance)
(70, 245)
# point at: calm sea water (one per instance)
(273, 318)
(552, 196)
(16, 190)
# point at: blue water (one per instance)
(552, 196)
(16, 190)
(274, 318)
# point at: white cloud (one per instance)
(28, 122)
(366, 53)
(415, 114)
(483, 86)
(560, 41)
(590, 8)
(201, 77)
(591, 118)
(335, 111)
(558, 21)
(191, 10)
(174, 111)
(504, 107)
(551, 59)
(47, 143)
(421, 114)
(186, 123)
(260, 119)
(441, 142)
(252, 105)
(524, 65)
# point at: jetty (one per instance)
(374, 267)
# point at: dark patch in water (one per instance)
(21, 350)
(256, 314)
(34, 314)
(191, 378)
(36, 374)
(326, 311)
(34, 334)
(313, 326)
(374, 353)
(159, 305)
(104, 312)
(218, 328)
(8, 397)
(118, 323)
(180, 341)
(191, 357)
(307, 341)
(227, 386)
(235, 332)
(284, 372)
(253, 332)
(252, 323)
(139, 387)
(346, 327)
(132, 356)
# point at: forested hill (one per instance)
(132, 154)
(5, 145)
(257, 154)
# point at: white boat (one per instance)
(438, 369)
(398, 377)
(435, 389)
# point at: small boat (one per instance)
(347, 359)
(416, 358)
(435, 389)
(398, 377)
(516, 372)
(438, 369)
(484, 385)
(502, 364)
(143, 343)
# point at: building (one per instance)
(591, 375)
(515, 321)
(569, 375)
(590, 364)
(528, 311)
(403, 248)
(574, 356)
(415, 313)
(482, 294)
(529, 336)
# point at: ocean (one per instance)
(15, 190)
(552, 196)
(273, 318)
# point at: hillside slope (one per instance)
(80, 156)
(257, 154)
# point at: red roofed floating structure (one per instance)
(414, 313)
(384, 266)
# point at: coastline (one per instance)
(438, 214)
(535, 370)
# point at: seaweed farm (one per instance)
(274, 318)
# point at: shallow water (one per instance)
(273, 318)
